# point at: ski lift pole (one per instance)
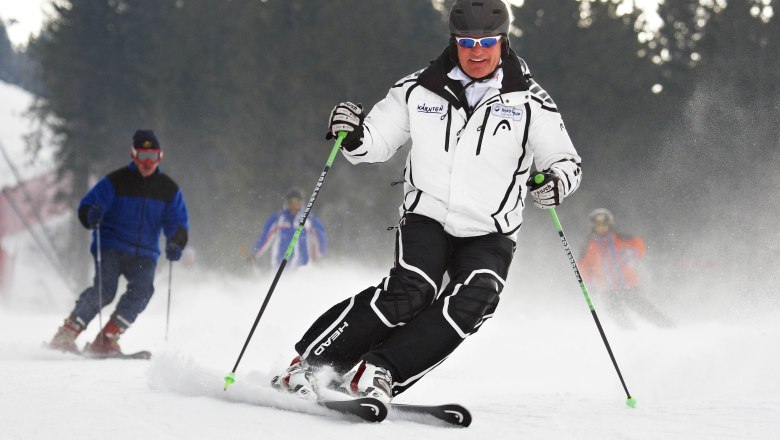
(630, 401)
(29, 199)
(47, 253)
(231, 377)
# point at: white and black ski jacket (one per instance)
(467, 168)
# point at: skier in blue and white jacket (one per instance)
(127, 211)
(478, 123)
(279, 229)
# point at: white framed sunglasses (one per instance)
(469, 42)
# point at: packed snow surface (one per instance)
(537, 370)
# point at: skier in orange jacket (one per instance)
(609, 265)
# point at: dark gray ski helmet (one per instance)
(479, 17)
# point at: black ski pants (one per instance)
(408, 323)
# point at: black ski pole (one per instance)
(630, 401)
(231, 377)
(168, 310)
(99, 267)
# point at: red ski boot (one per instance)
(65, 338)
(106, 343)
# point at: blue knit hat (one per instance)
(145, 139)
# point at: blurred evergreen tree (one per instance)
(588, 60)
(239, 92)
(7, 55)
(16, 67)
(725, 137)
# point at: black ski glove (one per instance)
(173, 251)
(90, 216)
(546, 188)
(176, 244)
(347, 117)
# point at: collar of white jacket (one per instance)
(476, 91)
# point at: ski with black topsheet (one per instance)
(451, 413)
(366, 408)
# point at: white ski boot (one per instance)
(368, 380)
(297, 379)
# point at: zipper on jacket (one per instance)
(449, 124)
(482, 130)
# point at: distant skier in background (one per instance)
(131, 206)
(609, 264)
(278, 232)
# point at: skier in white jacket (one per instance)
(478, 123)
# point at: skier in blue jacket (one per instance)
(128, 208)
(279, 229)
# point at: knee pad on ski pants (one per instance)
(402, 297)
(472, 304)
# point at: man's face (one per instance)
(146, 160)
(146, 168)
(601, 228)
(294, 205)
(601, 225)
(478, 61)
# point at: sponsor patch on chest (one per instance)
(430, 108)
(506, 112)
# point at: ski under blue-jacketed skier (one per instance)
(478, 123)
(129, 208)
(279, 229)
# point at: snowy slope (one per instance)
(538, 370)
